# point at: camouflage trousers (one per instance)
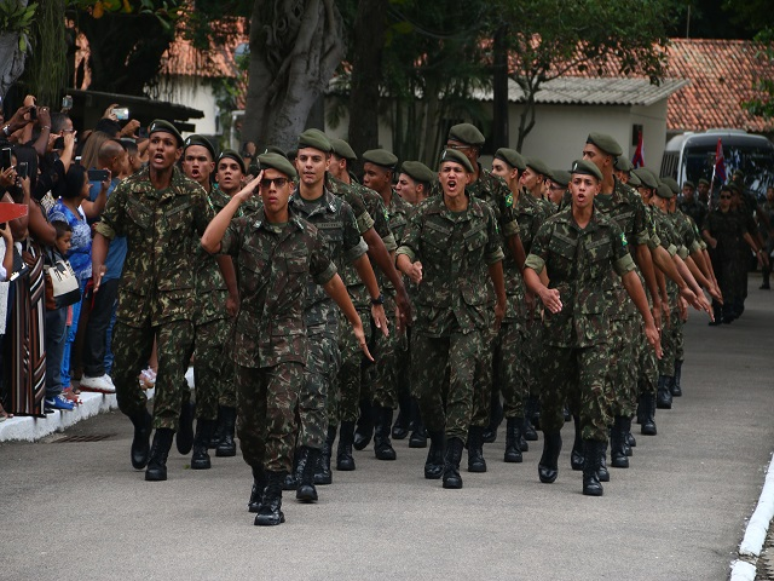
(577, 376)
(512, 368)
(533, 356)
(446, 400)
(210, 365)
(228, 391)
(484, 378)
(266, 422)
(669, 341)
(647, 364)
(387, 370)
(621, 381)
(322, 364)
(354, 377)
(132, 348)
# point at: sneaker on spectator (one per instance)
(101, 384)
(58, 402)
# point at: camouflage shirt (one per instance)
(695, 209)
(455, 249)
(275, 262)
(211, 291)
(162, 229)
(336, 222)
(579, 263)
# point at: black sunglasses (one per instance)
(279, 182)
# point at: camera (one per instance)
(98, 175)
(121, 113)
(67, 102)
(5, 158)
(22, 169)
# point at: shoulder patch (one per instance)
(624, 241)
(509, 200)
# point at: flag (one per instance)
(638, 160)
(719, 171)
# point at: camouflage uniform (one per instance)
(337, 224)
(452, 305)
(157, 293)
(270, 347)
(695, 209)
(579, 264)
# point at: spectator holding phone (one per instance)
(75, 209)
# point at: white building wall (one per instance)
(654, 133)
(197, 94)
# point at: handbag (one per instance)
(62, 286)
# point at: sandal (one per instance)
(4, 415)
(71, 395)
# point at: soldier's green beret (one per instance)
(672, 184)
(689, 184)
(646, 177)
(738, 172)
(161, 126)
(418, 171)
(623, 164)
(278, 162)
(275, 149)
(199, 140)
(728, 188)
(254, 169)
(512, 157)
(581, 166)
(538, 166)
(605, 142)
(664, 191)
(315, 139)
(233, 154)
(467, 133)
(381, 157)
(560, 176)
(634, 181)
(703, 181)
(342, 149)
(734, 188)
(456, 157)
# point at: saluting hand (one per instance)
(248, 191)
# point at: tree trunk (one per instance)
(369, 27)
(527, 118)
(500, 91)
(12, 59)
(295, 47)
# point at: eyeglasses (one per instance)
(278, 182)
(725, 197)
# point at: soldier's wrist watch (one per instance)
(378, 300)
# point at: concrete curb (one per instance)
(744, 568)
(31, 429)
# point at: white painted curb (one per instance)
(744, 569)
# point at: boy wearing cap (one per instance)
(277, 252)
(577, 248)
(451, 250)
(162, 214)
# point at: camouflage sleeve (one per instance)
(509, 223)
(232, 238)
(642, 222)
(411, 237)
(494, 249)
(364, 219)
(112, 219)
(376, 208)
(682, 252)
(321, 267)
(538, 254)
(622, 259)
(354, 246)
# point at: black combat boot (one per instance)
(576, 456)
(323, 474)
(185, 433)
(200, 460)
(630, 441)
(496, 415)
(143, 426)
(675, 387)
(157, 463)
(403, 422)
(604, 475)
(435, 455)
(227, 446)
(618, 458)
(548, 467)
(270, 505)
(344, 459)
(382, 446)
(592, 454)
(259, 484)
(523, 444)
(648, 409)
(365, 426)
(451, 464)
(306, 492)
(512, 439)
(664, 398)
(418, 438)
(476, 462)
(292, 478)
(530, 412)
(218, 433)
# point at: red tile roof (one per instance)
(183, 59)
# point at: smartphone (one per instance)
(121, 113)
(98, 175)
(67, 102)
(21, 169)
(5, 158)
(33, 113)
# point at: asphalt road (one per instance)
(77, 511)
